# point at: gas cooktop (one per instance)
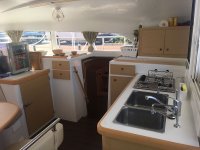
(156, 84)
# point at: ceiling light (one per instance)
(57, 14)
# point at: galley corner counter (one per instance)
(31, 92)
(116, 136)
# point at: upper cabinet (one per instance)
(164, 42)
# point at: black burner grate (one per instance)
(156, 84)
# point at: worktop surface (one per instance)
(22, 77)
(186, 134)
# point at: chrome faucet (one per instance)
(175, 109)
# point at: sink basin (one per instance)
(137, 98)
(141, 118)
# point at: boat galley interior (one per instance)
(99, 75)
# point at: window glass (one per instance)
(4, 38)
(198, 66)
(104, 41)
(37, 41)
(69, 41)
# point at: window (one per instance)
(104, 41)
(4, 38)
(111, 42)
(197, 75)
(195, 48)
(39, 41)
(69, 41)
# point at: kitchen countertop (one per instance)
(182, 138)
(8, 113)
(23, 77)
(149, 60)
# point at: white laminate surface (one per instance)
(184, 135)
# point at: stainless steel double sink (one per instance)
(136, 112)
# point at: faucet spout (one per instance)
(153, 98)
(175, 109)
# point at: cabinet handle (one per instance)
(160, 49)
(115, 80)
(60, 64)
(61, 74)
(167, 49)
(26, 105)
(122, 68)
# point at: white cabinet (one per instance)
(68, 98)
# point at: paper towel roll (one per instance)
(163, 23)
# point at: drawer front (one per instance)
(59, 74)
(61, 65)
(122, 70)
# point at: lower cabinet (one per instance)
(117, 144)
(117, 85)
(68, 97)
(37, 102)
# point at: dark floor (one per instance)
(82, 135)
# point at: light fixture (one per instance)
(57, 14)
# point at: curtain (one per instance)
(90, 37)
(15, 35)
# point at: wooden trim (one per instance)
(145, 61)
(30, 76)
(147, 141)
(164, 28)
(8, 113)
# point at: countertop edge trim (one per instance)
(24, 79)
(148, 141)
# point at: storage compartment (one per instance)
(164, 42)
(61, 65)
(122, 70)
(60, 74)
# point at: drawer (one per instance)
(122, 69)
(61, 65)
(60, 74)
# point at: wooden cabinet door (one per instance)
(176, 42)
(151, 42)
(117, 85)
(37, 101)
